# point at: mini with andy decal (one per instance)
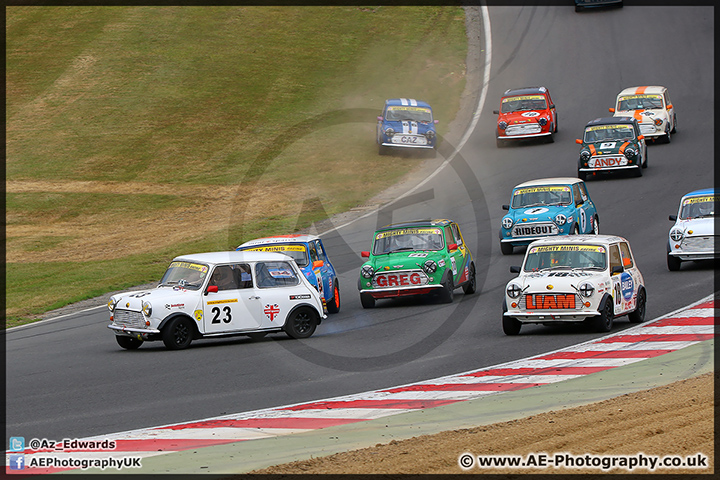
(612, 144)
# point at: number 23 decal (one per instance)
(216, 314)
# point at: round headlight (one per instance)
(502, 125)
(585, 154)
(676, 234)
(630, 152)
(586, 289)
(513, 290)
(366, 271)
(112, 303)
(542, 121)
(389, 132)
(560, 219)
(507, 223)
(429, 266)
(146, 308)
(430, 134)
(658, 121)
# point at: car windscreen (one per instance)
(188, 275)
(545, 195)
(639, 102)
(275, 274)
(408, 239)
(523, 102)
(698, 207)
(609, 133)
(298, 252)
(413, 114)
(565, 257)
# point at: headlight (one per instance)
(585, 154)
(513, 290)
(560, 219)
(586, 289)
(389, 132)
(502, 125)
(366, 271)
(630, 152)
(658, 121)
(676, 234)
(146, 308)
(112, 303)
(430, 134)
(429, 266)
(507, 223)
(542, 121)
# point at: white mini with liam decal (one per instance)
(219, 294)
(580, 278)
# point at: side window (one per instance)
(313, 252)
(576, 195)
(449, 237)
(667, 100)
(275, 274)
(225, 277)
(583, 192)
(627, 261)
(320, 252)
(456, 233)
(614, 257)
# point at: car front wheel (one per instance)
(471, 285)
(604, 321)
(128, 343)
(367, 300)
(511, 326)
(447, 293)
(506, 248)
(638, 316)
(673, 263)
(178, 333)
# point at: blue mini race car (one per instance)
(309, 254)
(547, 207)
(406, 123)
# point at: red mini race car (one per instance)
(526, 113)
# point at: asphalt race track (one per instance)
(67, 377)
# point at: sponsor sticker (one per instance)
(522, 191)
(304, 296)
(707, 199)
(271, 311)
(646, 95)
(608, 127)
(568, 248)
(627, 285)
(523, 97)
(550, 302)
(191, 266)
(229, 300)
(278, 248)
(531, 114)
(408, 231)
(411, 109)
(404, 279)
(198, 314)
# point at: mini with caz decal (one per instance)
(406, 123)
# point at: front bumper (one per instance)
(525, 135)
(609, 169)
(405, 145)
(401, 292)
(546, 317)
(131, 331)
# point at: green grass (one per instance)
(196, 97)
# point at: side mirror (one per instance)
(318, 264)
(552, 105)
(452, 246)
(365, 254)
(577, 140)
(617, 269)
(496, 112)
(212, 289)
(436, 121)
(673, 218)
(515, 269)
(611, 110)
(669, 106)
(380, 118)
(506, 207)
(641, 137)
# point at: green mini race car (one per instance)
(423, 257)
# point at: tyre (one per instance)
(550, 138)
(178, 333)
(667, 138)
(447, 293)
(301, 323)
(638, 316)
(578, 8)
(333, 305)
(128, 343)
(582, 175)
(604, 321)
(645, 159)
(576, 230)
(511, 326)
(499, 143)
(674, 124)
(506, 248)
(638, 172)
(382, 150)
(471, 285)
(596, 225)
(673, 263)
(367, 300)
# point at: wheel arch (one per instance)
(300, 306)
(166, 320)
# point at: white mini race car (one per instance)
(651, 107)
(216, 295)
(577, 278)
(693, 235)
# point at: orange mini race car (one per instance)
(526, 113)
